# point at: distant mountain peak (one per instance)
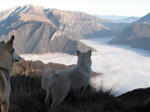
(32, 10)
(36, 7)
(144, 19)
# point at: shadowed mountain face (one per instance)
(137, 35)
(40, 37)
(40, 30)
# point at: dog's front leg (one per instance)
(5, 106)
(48, 98)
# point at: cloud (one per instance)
(123, 68)
(61, 58)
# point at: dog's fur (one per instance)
(7, 57)
(58, 84)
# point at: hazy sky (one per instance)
(101, 7)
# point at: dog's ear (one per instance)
(78, 52)
(11, 39)
(89, 52)
(9, 44)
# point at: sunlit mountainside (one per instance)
(40, 30)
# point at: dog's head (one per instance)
(7, 54)
(84, 57)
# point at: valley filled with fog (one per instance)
(123, 68)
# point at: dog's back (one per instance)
(78, 76)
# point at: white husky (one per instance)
(7, 57)
(58, 84)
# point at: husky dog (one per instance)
(58, 84)
(7, 57)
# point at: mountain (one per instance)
(137, 34)
(128, 19)
(144, 19)
(117, 23)
(40, 30)
(116, 27)
(112, 17)
(113, 24)
(119, 19)
(75, 23)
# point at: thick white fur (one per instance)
(7, 57)
(58, 84)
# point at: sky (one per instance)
(123, 68)
(100, 7)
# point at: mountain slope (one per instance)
(137, 35)
(112, 17)
(75, 23)
(128, 19)
(39, 37)
(120, 19)
(35, 29)
(144, 19)
(78, 24)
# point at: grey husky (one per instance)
(7, 57)
(58, 84)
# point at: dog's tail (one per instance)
(47, 79)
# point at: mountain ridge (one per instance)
(37, 24)
(137, 34)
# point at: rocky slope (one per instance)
(144, 19)
(40, 30)
(137, 34)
